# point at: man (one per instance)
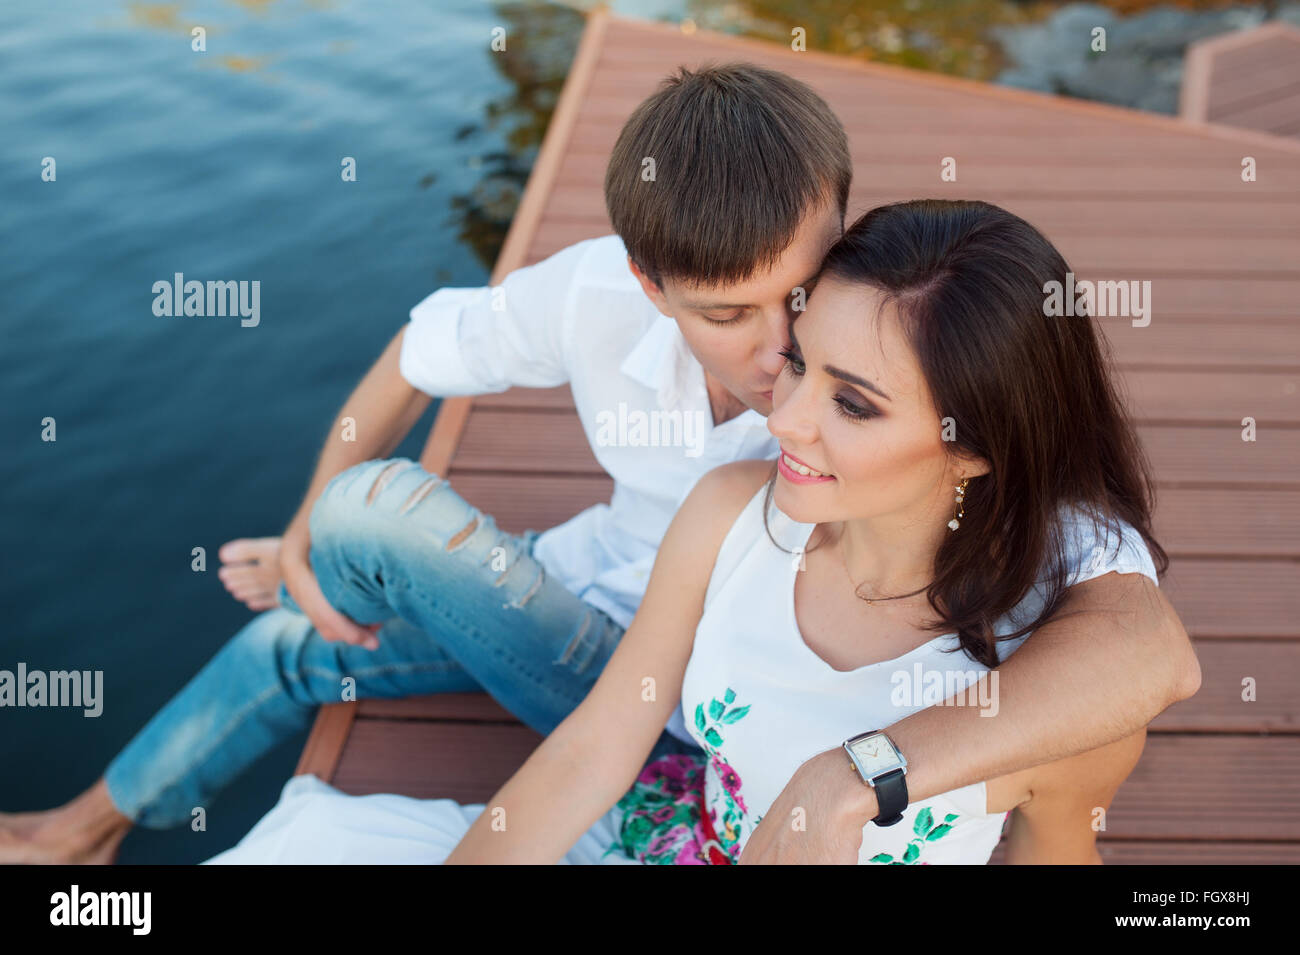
(669, 334)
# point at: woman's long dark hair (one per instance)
(1030, 394)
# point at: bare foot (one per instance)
(250, 570)
(87, 831)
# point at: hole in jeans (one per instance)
(576, 640)
(536, 586)
(462, 535)
(420, 493)
(385, 476)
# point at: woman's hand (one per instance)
(818, 817)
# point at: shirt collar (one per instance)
(662, 361)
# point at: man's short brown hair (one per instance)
(741, 154)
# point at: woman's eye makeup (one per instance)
(848, 406)
(793, 361)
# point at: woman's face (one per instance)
(852, 404)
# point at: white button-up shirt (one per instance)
(581, 317)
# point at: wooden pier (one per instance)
(1250, 79)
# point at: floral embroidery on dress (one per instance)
(661, 821)
(660, 813)
(926, 830)
(709, 722)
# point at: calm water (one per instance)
(174, 433)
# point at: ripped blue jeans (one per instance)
(465, 607)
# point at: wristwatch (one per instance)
(883, 768)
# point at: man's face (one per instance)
(738, 331)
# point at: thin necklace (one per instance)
(871, 601)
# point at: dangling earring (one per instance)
(961, 510)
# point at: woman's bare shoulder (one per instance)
(734, 483)
(708, 513)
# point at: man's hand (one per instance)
(828, 830)
(390, 406)
(300, 581)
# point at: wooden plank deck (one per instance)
(1126, 195)
(1250, 79)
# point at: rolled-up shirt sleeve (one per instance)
(473, 341)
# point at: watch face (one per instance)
(876, 754)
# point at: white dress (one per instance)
(756, 699)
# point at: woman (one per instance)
(952, 462)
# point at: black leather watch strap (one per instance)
(891, 797)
